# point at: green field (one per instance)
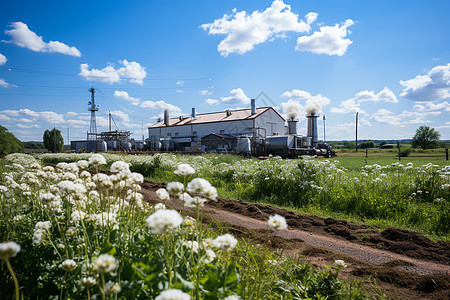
(85, 236)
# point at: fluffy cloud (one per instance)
(313, 104)
(4, 84)
(41, 116)
(205, 92)
(23, 37)
(244, 31)
(132, 71)
(124, 96)
(430, 106)
(212, 101)
(406, 117)
(329, 40)
(433, 86)
(237, 96)
(353, 105)
(180, 82)
(153, 105)
(2, 59)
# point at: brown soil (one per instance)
(405, 264)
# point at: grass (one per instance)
(384, 195)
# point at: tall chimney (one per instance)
(166, 117)
(292, 126)
(193, 112)
(312, 128)
(253, 106)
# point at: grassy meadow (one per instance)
(66, 233)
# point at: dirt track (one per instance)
(406, 264)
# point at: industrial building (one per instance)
(210, 131)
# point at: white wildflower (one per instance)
(97, 159)
(112, 288)
(105, 263)
(68, 265)
(162, 194)
(209, 256)
(340, 263)
(225, 242)
(9, 249)
(164, 219)
(159, 206)
(175, 188)
(191, 245)
(83, 164)
(173, 294)
(184, 170)
(277, 222)
(120, 167)
(88, 281)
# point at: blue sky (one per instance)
(387, 60)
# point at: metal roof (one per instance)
(236, 115)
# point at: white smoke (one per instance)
(292, 109)
(313, 104)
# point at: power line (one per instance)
(114, 88)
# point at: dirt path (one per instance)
(406, 265)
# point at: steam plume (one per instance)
(293, 109)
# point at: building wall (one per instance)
(200, 130)
(272, 122)
(269, 120)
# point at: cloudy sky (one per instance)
(387, 60)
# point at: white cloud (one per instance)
(132, 71)
(205, 92)
(430, 106)
(313, 104)
(237, 96)
(433, 86)
(28, 126)
(329, 40)
(4, 84)
(244, 31)
(45, 116)
(212, 101)
(121, 116)
(2, 59)
(124, 96)
(292, 109)
(353, 105)
(23, 37)
(179, 91)
(161, 105)
(180, 82)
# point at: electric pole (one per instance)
(324, 128)
(356, 139)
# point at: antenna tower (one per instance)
(92, 108)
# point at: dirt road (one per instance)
(405, 264)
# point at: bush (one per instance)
(404, 152)
(9, 143)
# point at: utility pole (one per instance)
(68, 136)
(110, 121)
(356, 139)
(142, 124)
(54, 138)
(324, 139)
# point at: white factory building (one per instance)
(209, 131)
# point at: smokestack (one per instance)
(166, 117)
(253, 106)
(193, 112)
(292, 126)
(312, 127)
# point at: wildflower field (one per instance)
(409, 195)
(72, 232)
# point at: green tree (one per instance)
(426, 138)
(53, 140)
(9, 143)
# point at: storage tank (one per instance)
(102, 146)
(280, 142)
(244, 145)
(112, 145)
